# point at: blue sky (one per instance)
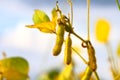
(36, 47)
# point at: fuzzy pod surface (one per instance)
(59, 39)
(68, 50)
(92, 58)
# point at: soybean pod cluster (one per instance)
(63, 25)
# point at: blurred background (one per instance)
(36, 47)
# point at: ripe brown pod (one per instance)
(68, 50)
(59, 39)
(92, 58)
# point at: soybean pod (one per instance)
(92, 59)
(59, 39)
(68, 50)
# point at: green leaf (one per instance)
(118, 4)
(53, 74)
(39, 17)
(14, 68)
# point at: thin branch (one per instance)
(88, 18)
(110, 56)
(71, 11)
(57, 9)
(78, 37)
(80, 56)
(96, 75)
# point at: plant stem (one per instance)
(111, 59)
(71, 11)
(88, 25)
(88, 18)
(111, 56)
(78, 37)
(96, 75)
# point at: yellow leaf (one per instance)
(46, 27)
(82, 74)
(67, 73)
(102, 30)
(87, 74)
(118, 49)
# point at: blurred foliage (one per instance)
(14, 68)
(87, 71)
(102, 34)
(66, 74)
(50, 75)
(118, 4)
(53, 73)
(118, 49)
(102, 30)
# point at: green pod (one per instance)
(60, 30)
(92, 58)
(87, 74)
(56, 50)
(59, 39)
(68, 51)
